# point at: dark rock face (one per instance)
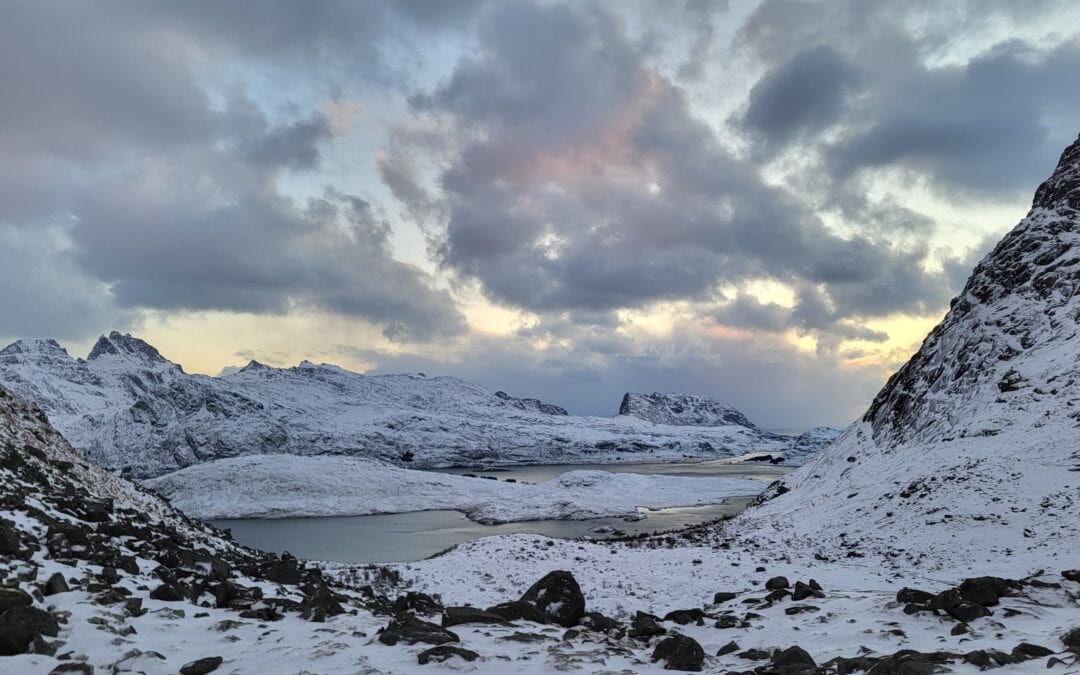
(682, 410)
(443, 653)
(532, 404)
(558, 597)
(793, 657)
(11, 598)
(410, 630)
(679, 652)
(202, 666)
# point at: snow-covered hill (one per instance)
(130, 408)
(682, 410)
(970, 454)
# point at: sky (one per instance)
(768, 202)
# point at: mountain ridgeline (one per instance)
(130, 408)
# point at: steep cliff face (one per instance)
(130, 408)
(969, 451)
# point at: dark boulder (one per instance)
(518, 610)
(793, 656)
(967, 612)
(645, 626)
(11, 598)
(455, 616)
(19, 626)
(985, 591)
(1071, 638)
(76, 668)
(686, 616)
(1026, 651)
(202, 666)
(414, 601)
(724, 597)
(558, 596)
(1071, 575)
(595, 621)
(803, 591)
(912, 595)
(776, 583)
(168, 593)
(729, 648)
(443, 653)
(679, 652)
(55, 584)
(409, 629)
(10, 543)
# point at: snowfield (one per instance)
(282, 486)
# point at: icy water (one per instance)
(415, 535)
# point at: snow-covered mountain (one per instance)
(128, 407)
(970, 452)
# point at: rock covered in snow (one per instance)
(129, 408)
(689, 410)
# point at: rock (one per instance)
(777, 595)
(10, 543)
(800, 609)
(726, 621)
(645, 626)
(74, 667)
(20, 625)
(960, 629)
(911, 595)
(1071, 575)
(985, 591)
(680, 652)
(686, 616)
(558, 596)
(454, 616)
(518, 610)
(202, 666)
(421, 603)
(729, 648)
(724, 597)
(1071, 638)
(527, 638)
(444, 652)
(776, 583)
(285, 571)
(409, 629)
(56, 584)
(320, 604)
(595, 621)
(1026, 650)
(754, 655)
(967, 612)
(793, 656)
(168, 593)
(14, 597)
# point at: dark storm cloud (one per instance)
(583, 181)
(990, 126)
(165, 188)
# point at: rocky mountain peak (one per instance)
(126, 347)
(682, 410)
(1062, 189)
(34, 347)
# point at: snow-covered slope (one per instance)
(969, 455)
(129, 408)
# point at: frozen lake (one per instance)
(415, 535)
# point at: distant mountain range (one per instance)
(129, 408)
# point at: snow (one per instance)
(280, 486)
(129, 408)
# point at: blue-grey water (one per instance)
(415, 535)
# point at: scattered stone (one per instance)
(414, 601)
(776, 583)
(724, 597)
(754, 655)
(168, 593)
(445, 652)
(202, 666)
(680, 652)
(595, 621)
(967, 612)
(727, 621)
(409, 629)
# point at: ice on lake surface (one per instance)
(415, 535)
